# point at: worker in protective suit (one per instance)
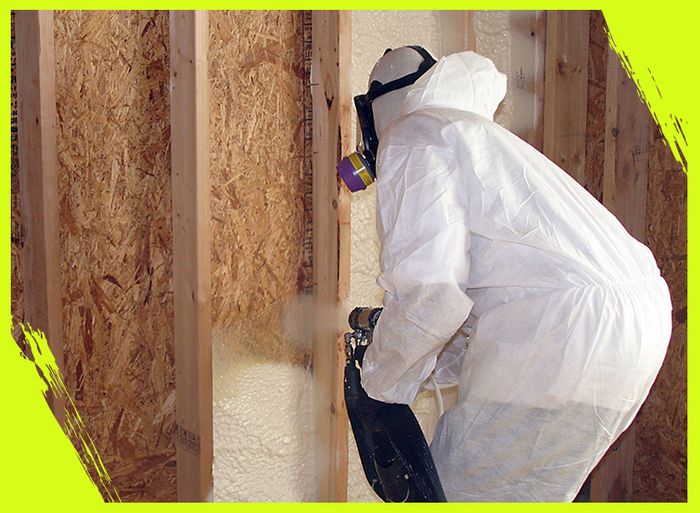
(567, 316)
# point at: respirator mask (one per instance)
(358, 170)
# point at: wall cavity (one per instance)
(261, 347)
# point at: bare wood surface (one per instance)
(627, 125)
(330, 60)
(566, 89)
(191, 253)
(527, 75)
(38, 170)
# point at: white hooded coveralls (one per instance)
(569, 316)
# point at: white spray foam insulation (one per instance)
(493, 40)
(263, 430)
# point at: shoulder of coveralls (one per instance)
(436, 126)
(426, 126)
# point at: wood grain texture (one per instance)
(116, 251)
(595, 120)
(38, 181)
(330, 36)
(527, 75)
(189, 42)
(565, 90)
(259, 210)
(16, 235)
(627, 123)
(661, 449)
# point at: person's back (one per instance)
(570, 317)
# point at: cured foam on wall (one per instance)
(493, 40)
(263, 430)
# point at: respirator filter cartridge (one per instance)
(355, 172)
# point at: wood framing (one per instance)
(455, 29)
(627, 125)
(469, 31)
(527, 75)
(189, 42)
(38, 170)
(566, 90)
(627, 128)
(347, 111)
(331, 109)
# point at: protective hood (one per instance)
(463, 81)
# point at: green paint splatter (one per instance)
(38, 351)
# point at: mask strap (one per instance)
(377, 89)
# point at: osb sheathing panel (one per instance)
(17, 239)
(659, 472)
(660, 465)
(116, 250)
(256, 77)
(595, 119)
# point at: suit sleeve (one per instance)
(424, 236)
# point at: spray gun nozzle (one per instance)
(364, 317)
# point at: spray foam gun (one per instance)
(395, 456)
(362, 321)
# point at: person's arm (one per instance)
(424, 233)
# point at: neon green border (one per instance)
(39, 464)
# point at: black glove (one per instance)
(366, 408)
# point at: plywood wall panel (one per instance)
(258, 198)
(115, 216)
(660, 460)
(17, 237)
(595, 119)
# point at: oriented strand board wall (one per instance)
(660, 455)
(17, 238)
(659, 472)
(263, 422)
(595, 120)
(660, 462)
(257, 171)
(116, 248)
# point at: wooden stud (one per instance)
(189, 117)
(469, 31)
(38, 171)
(527, 75)
(566, 90)
(611, 97)
(331, 113)
(347, 112)
(454, 29)
(627, 125)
